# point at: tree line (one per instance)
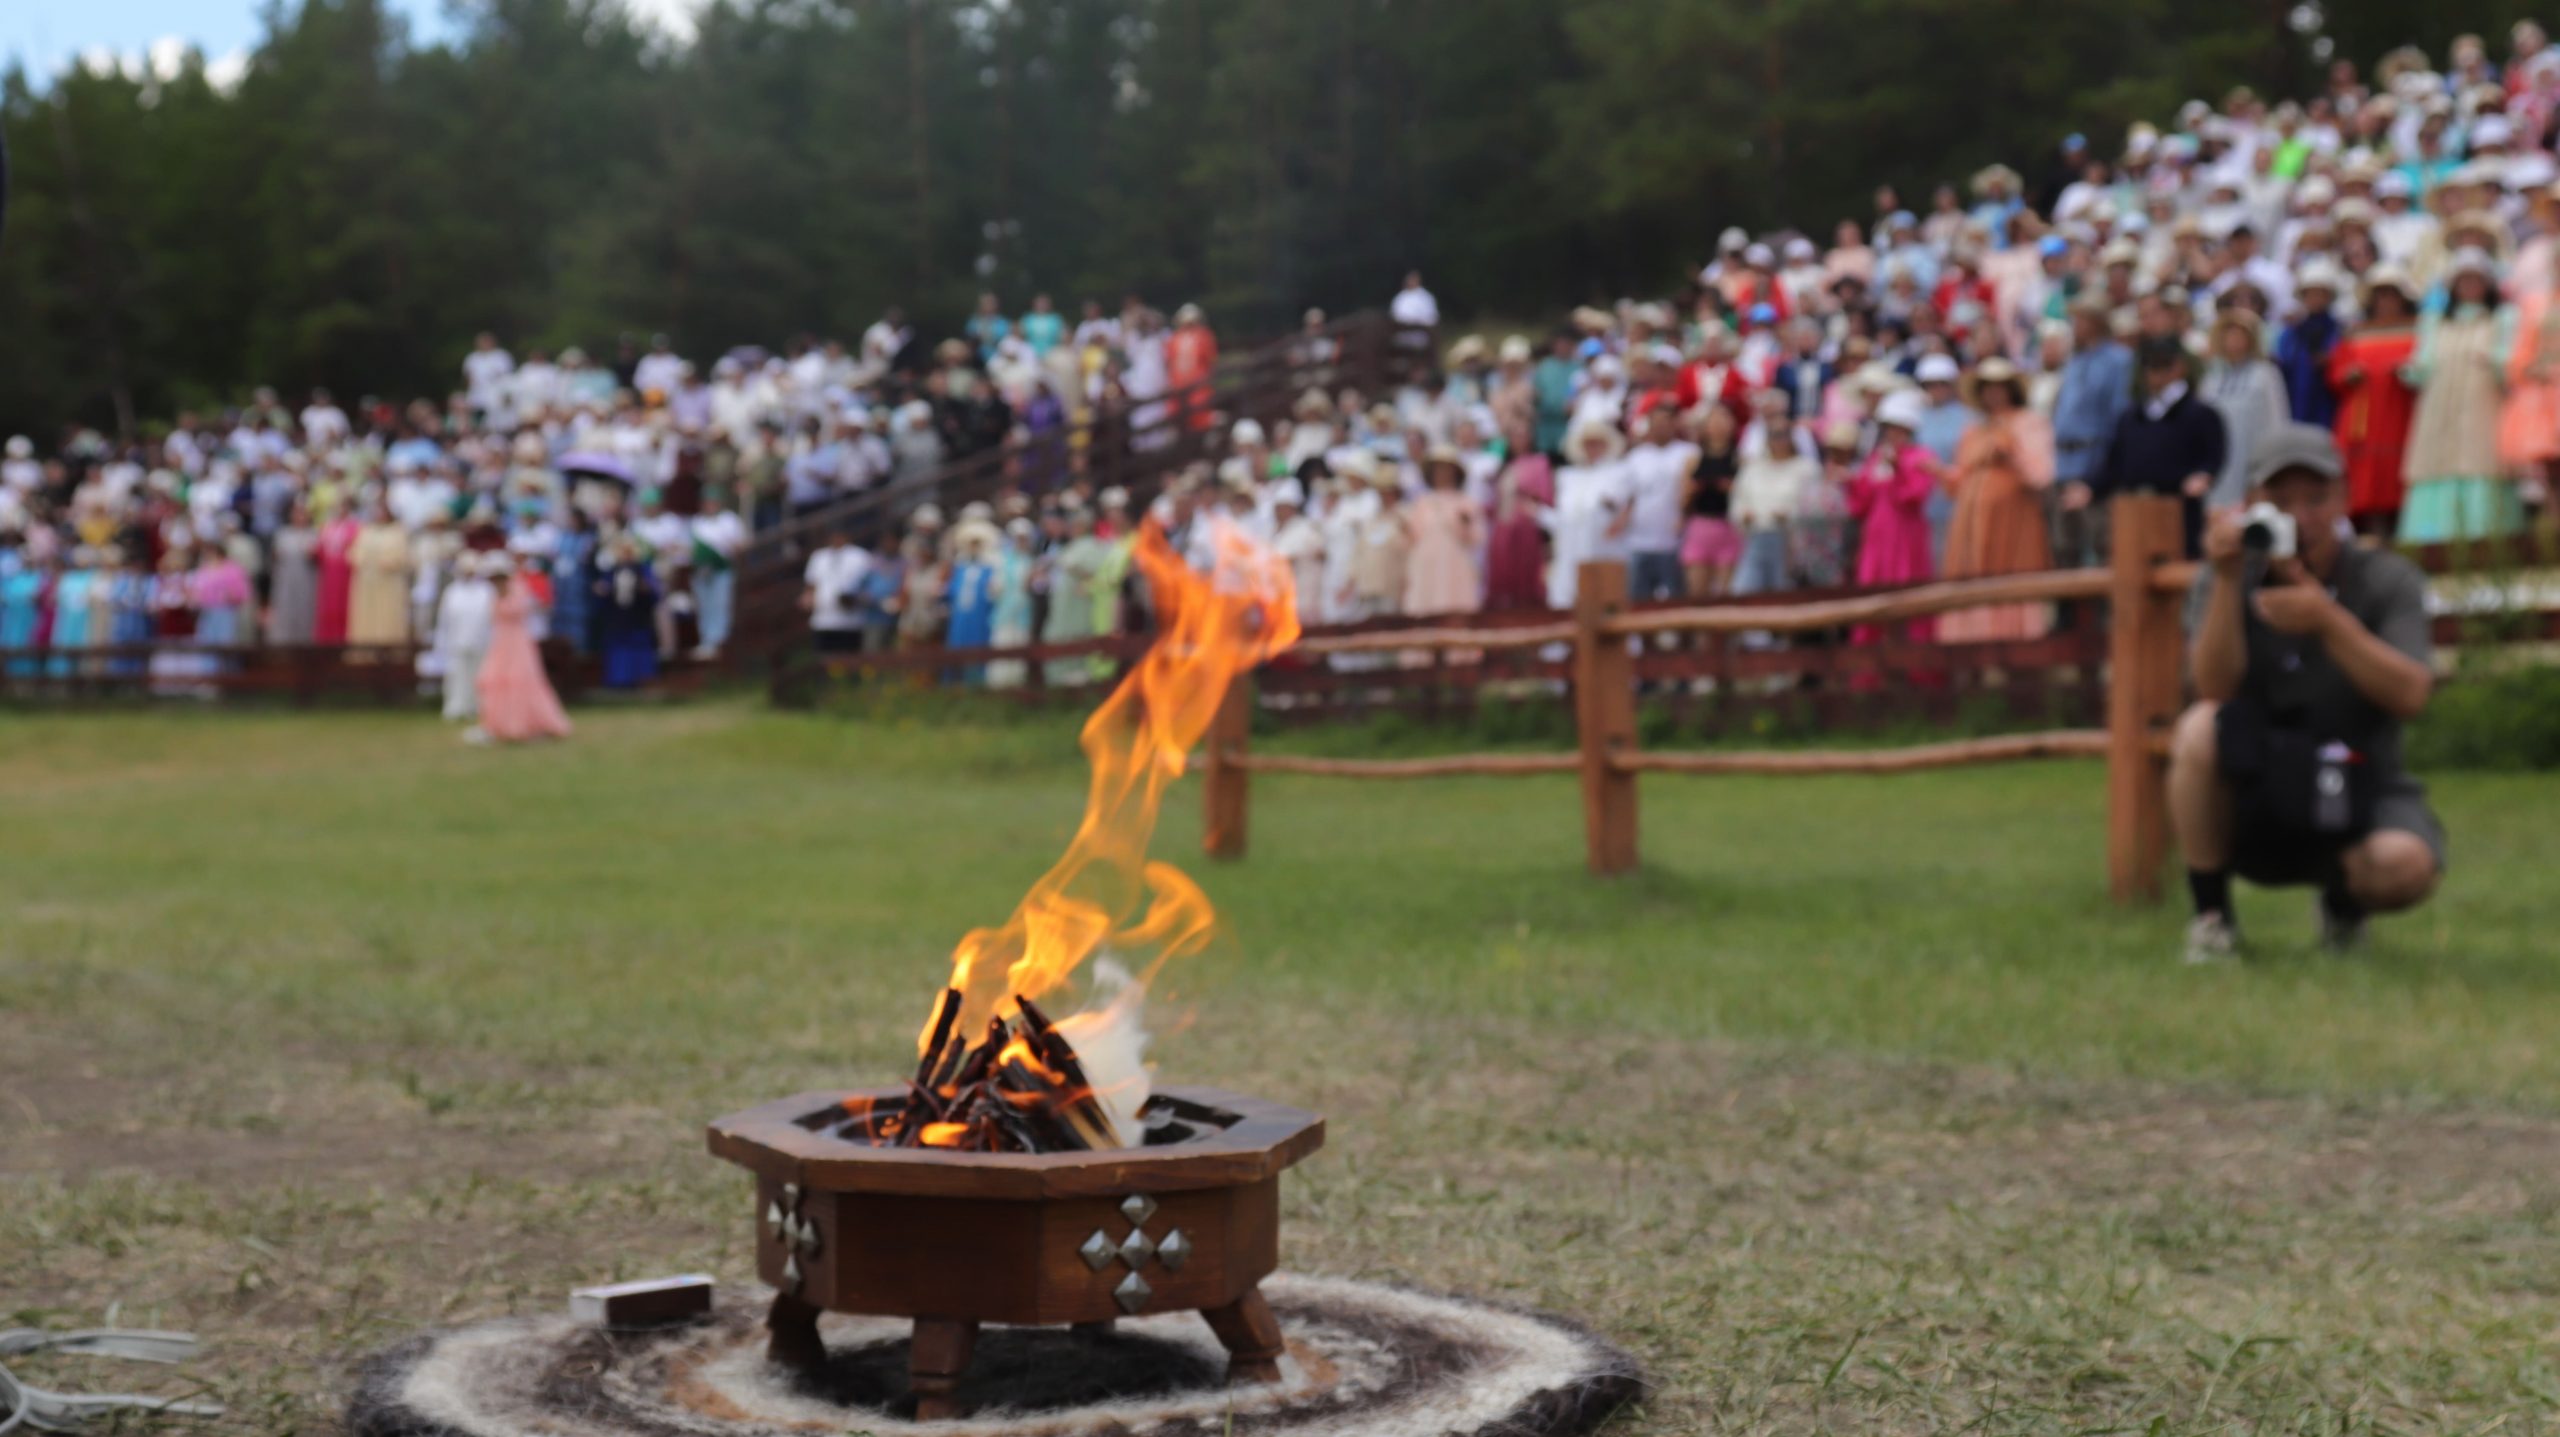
(356, 205)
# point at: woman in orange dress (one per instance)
(2004, 464)
(2529, 421)
(2375, 400)
(517, 703)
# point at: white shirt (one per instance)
(833, 574)
(723, 533)
(1344, 520)
(184, 450)
(536, 386)
(324, 424)
(1599, 404)
(1415, 306)
(412, 499)
(484, 374)
(1301, 544)
(667, 535)
(463, 616)
(1589, 498)
(661, 372)
(881, 343)
(1655, 478)
(1767, 492)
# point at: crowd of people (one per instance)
(1943, 391)
(1950, 391)
(621, 495)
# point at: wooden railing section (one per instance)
(2144, 585)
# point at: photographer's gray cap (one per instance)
(2295, 446)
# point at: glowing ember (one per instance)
(993, 1072)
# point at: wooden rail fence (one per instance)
(2144, 585)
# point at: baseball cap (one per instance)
(2295, 446)
(1937, 369)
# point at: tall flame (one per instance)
(1103, 891)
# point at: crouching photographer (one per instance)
(2309, 653)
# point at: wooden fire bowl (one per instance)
(956, 1239)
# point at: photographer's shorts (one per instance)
(2276, 857)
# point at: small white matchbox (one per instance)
(649, 1302)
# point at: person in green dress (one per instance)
(1072, 571)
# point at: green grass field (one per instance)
(1859, 1109)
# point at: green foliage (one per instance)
(360, 205)
(2498, 721)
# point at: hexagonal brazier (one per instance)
(955, 1239)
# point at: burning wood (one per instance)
(1019, 1088)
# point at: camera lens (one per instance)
(2257, 536)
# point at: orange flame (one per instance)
(1210, 629)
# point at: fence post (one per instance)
(1604, 716)
(1223, 834)
(2144, 645)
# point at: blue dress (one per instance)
(570, 604)
(72, 594)
(970, 600)
(628, 629)
(21, 591)
(2302, 356)
(131, 595)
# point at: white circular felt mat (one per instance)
(1365, 1360)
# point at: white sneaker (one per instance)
(475, 734)
(2212, 939)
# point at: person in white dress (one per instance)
(719, 535)
(463, 618)
(1297, 541)
(1355, 502)
(1594, 501)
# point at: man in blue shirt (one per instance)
(2097, 388)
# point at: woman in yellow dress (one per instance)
(379, 610)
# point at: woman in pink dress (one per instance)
(1890, 496)
(1444, 529)
(337, 579)
(1516, 551)
(516, 700)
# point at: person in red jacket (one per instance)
(1190, 361)
(1714, 378)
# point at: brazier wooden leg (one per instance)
(1251, 1336)
(936, 1357)
(791, 1328)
